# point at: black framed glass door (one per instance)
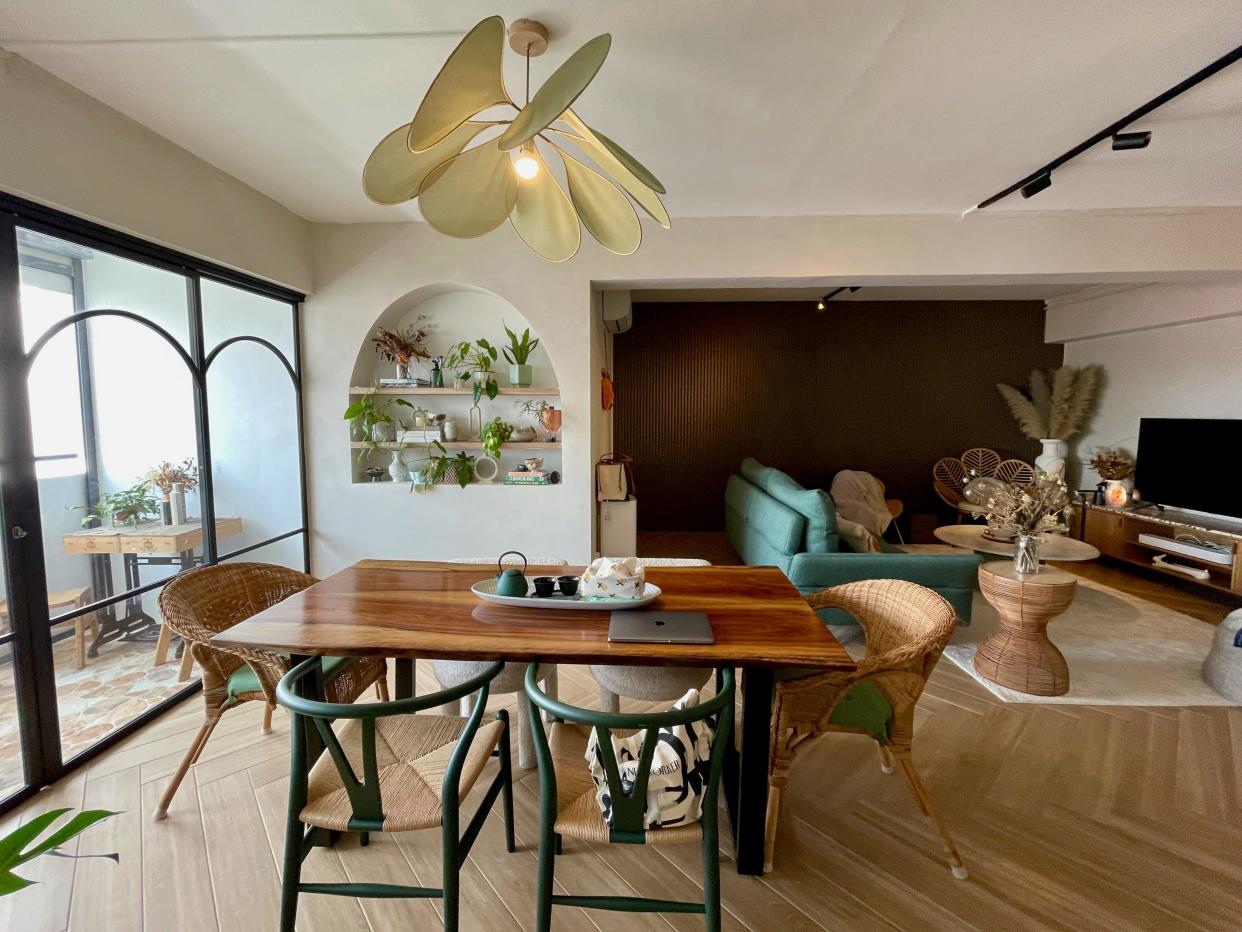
(150, 422)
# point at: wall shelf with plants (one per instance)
(443, 415)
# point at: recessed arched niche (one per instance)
(451, 314)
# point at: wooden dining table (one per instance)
(417, 610)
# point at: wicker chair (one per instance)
(907, 627)
(981, 461)
(1017, 471)
(208, 600)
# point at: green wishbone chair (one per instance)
(567, 796)
(424, 764)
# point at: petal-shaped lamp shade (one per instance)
(604, 210)
(470, 81)
(589, 142)
(544, 217)
(394, 174)
(557, 93)
(470, 194)
(638, 168)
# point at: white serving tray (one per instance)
(485, 589)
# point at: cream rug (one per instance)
(1121, 650)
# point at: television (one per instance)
(1192, 463)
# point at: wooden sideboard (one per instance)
(1115, 533)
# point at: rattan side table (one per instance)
(1018, 654)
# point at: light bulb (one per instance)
(526, 165)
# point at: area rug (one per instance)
(1121, 650)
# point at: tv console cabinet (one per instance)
(1115, 533)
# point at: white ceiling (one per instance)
(783, 107)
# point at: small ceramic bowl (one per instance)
(544, 586)
(534, 462)
(568, 584)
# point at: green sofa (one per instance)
(771, 520)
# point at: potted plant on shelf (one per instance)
(543, 414)
(400, 347)
(439, 467)
(495, 433)
(518, 353)
(131, 506)
(1056, 408)
(1115, 467)
(473, 363)
(371, 422)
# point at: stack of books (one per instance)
(421, 435)
(403, 383)
(531, 477)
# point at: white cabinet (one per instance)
(618, 528)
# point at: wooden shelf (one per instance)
(463, 445)
(1226, 568)
(467, 392)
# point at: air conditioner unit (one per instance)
(618, 316)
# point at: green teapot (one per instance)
(512, 581)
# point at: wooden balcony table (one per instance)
(413, 610)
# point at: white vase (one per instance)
(397, 468)
(1052, 460)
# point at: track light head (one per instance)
(819, 305)
(1123, 141)
(1037, 184)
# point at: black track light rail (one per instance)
(1201, 75)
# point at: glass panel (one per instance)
(287, 552)
(12, 777)
(232, 312)
(252, 411)
(112, 400)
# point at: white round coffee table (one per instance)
(1054, 548)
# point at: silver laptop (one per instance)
(661, 627)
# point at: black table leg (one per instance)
(746, 780)
(405, 678)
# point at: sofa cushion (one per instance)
(762, 530)
(815, 505)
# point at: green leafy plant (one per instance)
(534, 410)
(1056, 408)
(473, 362)
(495, 433)
(439, 467)
(519, 348)
(23, 843)
(364, 414)
(128, 506)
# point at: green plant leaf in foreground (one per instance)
(20, 845)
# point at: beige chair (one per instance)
(907, 627)
(211, 599)
(65, 598)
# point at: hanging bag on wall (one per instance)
(614, 478)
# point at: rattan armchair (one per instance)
(907, 627)
(208, 600)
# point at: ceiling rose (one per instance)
(468, 175)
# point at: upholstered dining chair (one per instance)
(567, 805)
(650, 684)
(907, 627)
(388, 770)
(210, 599)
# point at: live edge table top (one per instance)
(395, 608)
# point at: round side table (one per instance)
(1018, 655)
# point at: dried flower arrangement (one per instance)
(400, 346)
(166, 475)
(1112, 464)
(1057, 407)
(1043, 505)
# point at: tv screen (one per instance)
(1190, 463)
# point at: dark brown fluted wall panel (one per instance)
(888, 387)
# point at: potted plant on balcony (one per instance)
(518, 353)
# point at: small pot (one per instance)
(534, 463)
(568, 584)
(521, 376)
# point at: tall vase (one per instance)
(179, 514)
(403, 371)
(1052, 460)
(1026, 554)
(397, 468)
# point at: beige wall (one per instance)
(65, 149)
(361, 269)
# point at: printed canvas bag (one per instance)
(679, 769)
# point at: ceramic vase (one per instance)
(1026, 554)
(397, 468)
(1052, 460)
(521, 376)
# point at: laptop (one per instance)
(661, 627)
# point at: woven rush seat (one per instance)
(577, 812)
(412, 754)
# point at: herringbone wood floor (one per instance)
(1068, 817)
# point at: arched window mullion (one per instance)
(211, 357)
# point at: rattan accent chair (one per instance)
(1016, 471)
(211, 599)
(907, 627)
(388, 770)
(980, 461)
(567, 805)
